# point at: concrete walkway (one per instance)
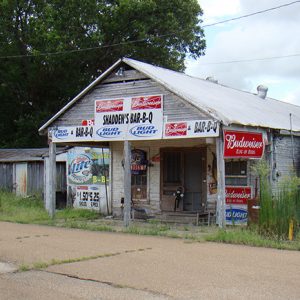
(140, 267)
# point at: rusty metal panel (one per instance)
(35, 178)
(21, 179)
(61, 177)
(6, 176)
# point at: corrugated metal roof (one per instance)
(228, 105)
(223, 103)
(23, 155)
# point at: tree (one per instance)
(41, 68)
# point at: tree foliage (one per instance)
(41, 67)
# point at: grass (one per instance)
(251, 237)
(30, 210)
(43, 265)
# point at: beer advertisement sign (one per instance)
(243, 144)
(236, 209)
(130, 118)
(191, 129)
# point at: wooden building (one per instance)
(22, 171)
(189, 137)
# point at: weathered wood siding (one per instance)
(134, 85)
(6, 176)
(283, 158)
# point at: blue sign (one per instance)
(236, 215)
(109, 132)
(143, 131)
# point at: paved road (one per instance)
(139, 267)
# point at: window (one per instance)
(236, 173)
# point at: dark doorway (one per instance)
(186, 168)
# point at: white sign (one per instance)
(88, 196)
(131, 118)
(73, 134)
(191, 129)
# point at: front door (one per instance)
(185, 168)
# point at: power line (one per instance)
(250, 59)
(251, 14)
(146, 39)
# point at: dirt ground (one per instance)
(140, 267)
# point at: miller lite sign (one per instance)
(242, 144)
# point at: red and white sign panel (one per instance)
(176, 129)
(148, 102)
(109, 105)
(191, 129)
(243, 144)
(237, 194)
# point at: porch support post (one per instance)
(221, 182)
(127, 183)
(51, 180)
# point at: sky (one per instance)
(274, 33)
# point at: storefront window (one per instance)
(236, 173)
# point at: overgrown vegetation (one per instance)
(279, 209)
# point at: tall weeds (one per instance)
(278, 209)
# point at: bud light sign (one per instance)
(236, 215)
(79, 170)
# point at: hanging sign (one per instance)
(131, 118)
(242, 144)
(139, 161)
(191, 129)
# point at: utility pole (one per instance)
(127, 182)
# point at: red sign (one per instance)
(237, 194)
(176, 129)
(88, 122)
(243, 144)
(150, 102)
(109, 105)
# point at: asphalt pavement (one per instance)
(124, 266)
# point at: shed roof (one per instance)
(223, 103)
(25, 155)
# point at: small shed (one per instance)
(181, 144)
(22, 170)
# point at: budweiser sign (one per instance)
(109, 105)
(148, 102)
(176, 129)
(237, 194)
(242, 144)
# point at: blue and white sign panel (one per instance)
(131, 118)
(236, 214)
(73, 134)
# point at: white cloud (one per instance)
(274, 33)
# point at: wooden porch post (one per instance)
(51, 180)
(221, 182)
(127, 183)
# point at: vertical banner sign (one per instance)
(88, 174)
(242, 144)
(130, 118)
(236, 204)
